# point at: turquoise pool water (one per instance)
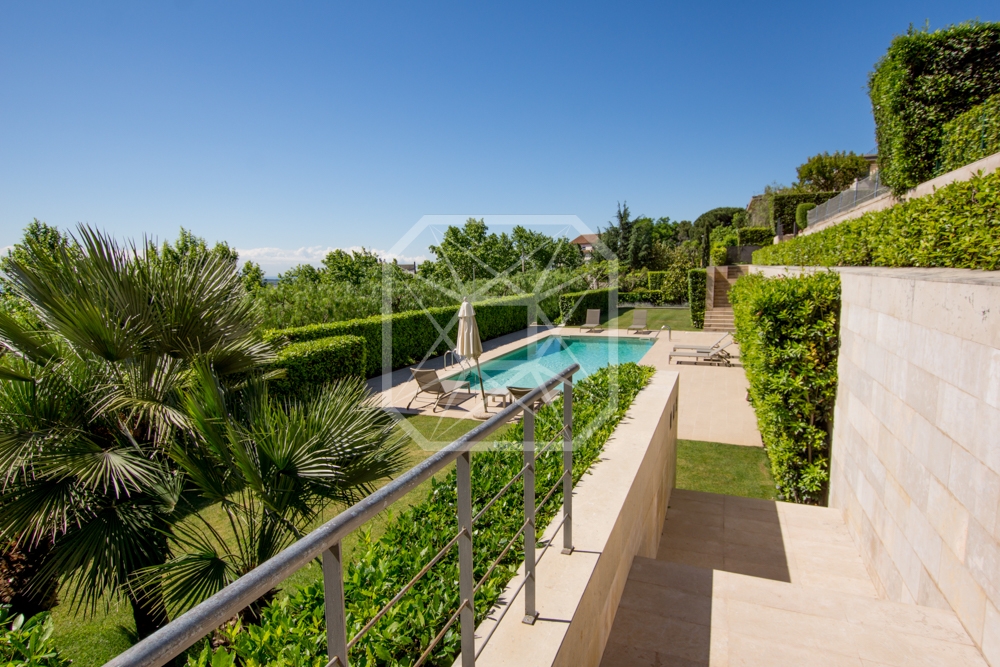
(537, 362)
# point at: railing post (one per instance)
(530, 612)
(466, 580)
(336, 623)
(568, 465)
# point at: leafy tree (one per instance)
(189, 245)
(831, 173)
(706, 222)
(354, 267)
(618, 234)
(300, 274)
(640, 245)
(469, 252)
(253, 277)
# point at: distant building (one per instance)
(586, 243)
(409, 268)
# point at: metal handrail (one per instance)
(177, 636)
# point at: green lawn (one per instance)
(733, 470)
(678, 319)
(92, 640)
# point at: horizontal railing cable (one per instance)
(437, 638)
(500, 494)
(496, 561)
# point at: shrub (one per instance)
(672, 282)
(697, 279)
(786, 205)
(958, 226)
(574, 306)
(415, 333)
(719, 255)
(802, 214)
(656, 279)
(293, 626)
(655, 297)
(787, 330)
(755, 236)
(310, 364)
(27, 643)
(971, 136)
(924, 80)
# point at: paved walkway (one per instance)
(738, 581)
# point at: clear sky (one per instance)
(296, 127)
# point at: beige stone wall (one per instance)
(916, 443)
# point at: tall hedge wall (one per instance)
(697, 281)
(414, 333)
(313, 363)
(958, 226)
(673, 284)
(574, 305)
(784, 207)
(787, 330)
(971, 136)
(925, 80)
(755, 236)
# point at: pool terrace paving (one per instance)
(713, 405)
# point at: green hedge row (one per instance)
(574, 305)
(787, 330)
(958, 226)
(784, 206)
(655, 297)
(415, 333)
(755, 236)
(697, 280)
(673, 284)
(925, 80)
(970, 137)
(292, 631)
(310, 364)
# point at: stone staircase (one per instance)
(739, 581)
(718, 311)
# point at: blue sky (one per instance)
(297, 127)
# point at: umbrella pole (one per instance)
(482, 387)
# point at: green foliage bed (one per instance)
(293, 631)
(958, 227)
(787, 330)
(970, 137)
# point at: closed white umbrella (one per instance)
(469, 345)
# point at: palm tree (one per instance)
(101, 395)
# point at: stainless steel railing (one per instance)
(864, 189)
(177, 636)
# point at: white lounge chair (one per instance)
(702, 348)
(428, 382)
(593, 322)
(712, 357)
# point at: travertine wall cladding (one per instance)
(916, 443)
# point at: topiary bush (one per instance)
(719, 255)
(923, 81)
(293, 628)
(971, 136)
(574, 306)
(697, 280)
(958, 227)
(311, 364)
(415, 333)
(802, 214)
(785, 206)
(787, 330)
(755, 236)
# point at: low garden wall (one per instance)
(618, 513)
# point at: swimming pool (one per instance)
(537, 362)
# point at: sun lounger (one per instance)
(428, 382)
(517, 393)
(713, 357)
(638, 321)
(703, 348)
(593, 322)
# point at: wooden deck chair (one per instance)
(638, 321)
(428, 382)
(593, 322)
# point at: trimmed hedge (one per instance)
(415, 332)
(957, 227)
(718, 255)
(292, 631)
(310, 364)
(802, 214)
(655, 297)
(970, 137)
(656, 279)
(784, 206)
(787, 330)
(755, 236)
(923, 81)
(673, 284)
(574, 305)
(697, 280)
